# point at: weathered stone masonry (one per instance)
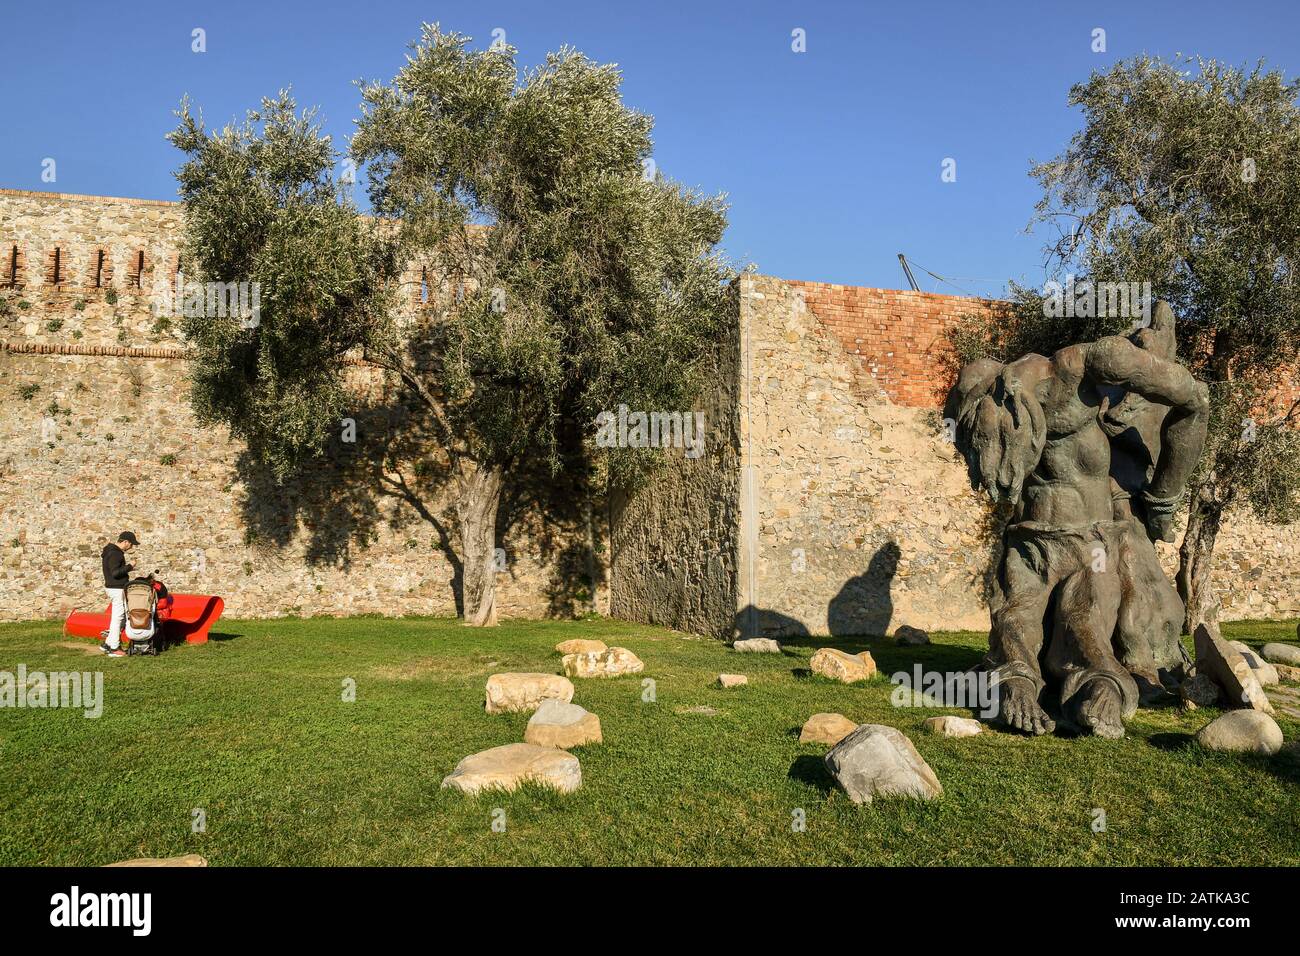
(826, 501)
(855, 515)
(97, 435)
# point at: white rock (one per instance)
(733, 680)
(507, 693)
(879, 761)
(580, 645)
(1264, 672)
(1242, 730)
(950, 726)
(757, 645)
(611, 662)
(1282, 654)
(505, 768)
(846, 668)
(557, 724)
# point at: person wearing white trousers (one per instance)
(117, 574)
(118, 598)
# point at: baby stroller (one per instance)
(143, 633)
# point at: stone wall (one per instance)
(862, 518)
(97, 435)
(856, 515)
(826, 500)
(674, 542)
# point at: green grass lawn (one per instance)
(252, 729)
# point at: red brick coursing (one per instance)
(900, 337)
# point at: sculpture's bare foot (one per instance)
(1101, 708)
(1020, 710)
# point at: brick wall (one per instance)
(897, 336)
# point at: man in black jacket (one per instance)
(117, 573)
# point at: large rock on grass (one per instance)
(557, 724)
(1264, 672)
(508, 693)
(826, 729)
(757, 645)
(727, 681)
(611, 662)
(579, 645)
(1242, 731)
(846, 668)
(505, 768)
(908, 636)
(1223, 664)
(1282, 654)
(879, 761)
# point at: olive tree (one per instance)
(1184, 175)
(262, 205)
(560, 274)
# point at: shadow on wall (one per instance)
(395, 477)
(862, 606)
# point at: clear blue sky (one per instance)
(831, 157)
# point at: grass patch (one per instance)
(252, 729)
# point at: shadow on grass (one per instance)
(944, 658)
(891, 657)
(812, 770)
(1286, 765)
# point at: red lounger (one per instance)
(190, 616)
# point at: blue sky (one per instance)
(831, 157)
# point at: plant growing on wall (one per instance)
(1187, 180)
(563, 276)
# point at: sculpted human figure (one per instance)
(1151, 612)
(1034, 433)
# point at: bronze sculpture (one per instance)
(1092, 448)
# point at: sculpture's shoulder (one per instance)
(1036, 373)
(1032, 366)
(1072, 361)
(1109, 347)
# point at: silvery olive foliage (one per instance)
(598, 281)
(560, 274)
(262, 205)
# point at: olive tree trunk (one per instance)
(480, 494)
(1195, 557)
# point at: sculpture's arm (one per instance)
(1117, 361)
